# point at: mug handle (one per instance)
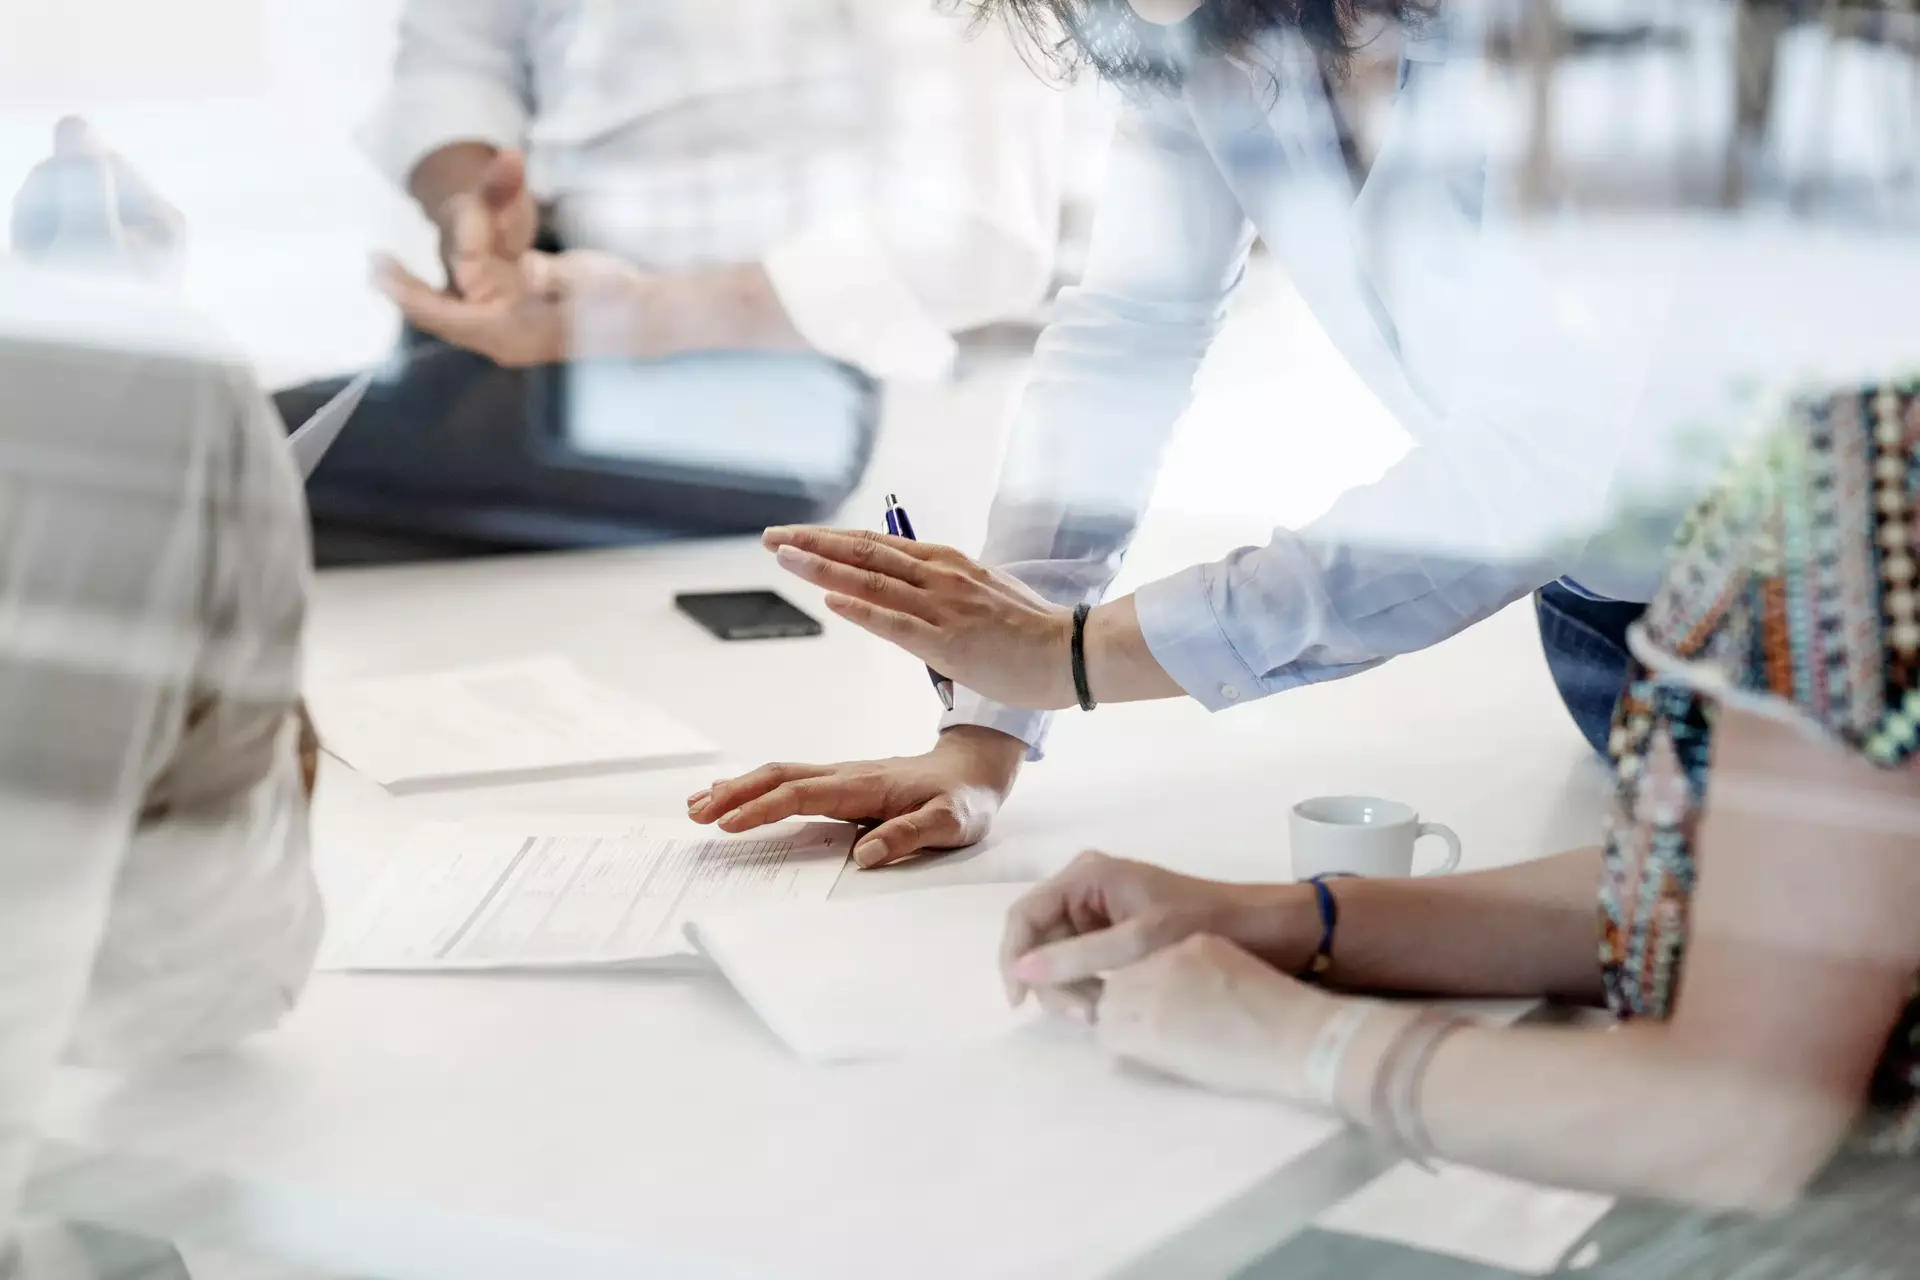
(1453, 846)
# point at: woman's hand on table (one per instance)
(945, 799)
(1104, 914)
(1208, 1012)
(979, 627)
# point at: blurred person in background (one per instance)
(1518, 411)
(156, 892)
(684, 241)
(1758, 924)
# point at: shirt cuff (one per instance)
(847, 300)
(1183, 632)
(426, 112)
(969, 708)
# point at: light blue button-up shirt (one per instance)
(1507, 355)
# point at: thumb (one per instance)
(505, 181)
(934, 825)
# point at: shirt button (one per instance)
(1230, 692)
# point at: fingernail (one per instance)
(778, 533)
(1030, 969)
(790, 555)
(730, 819)
(696, 803)
(868, 852)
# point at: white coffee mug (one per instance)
(1362, 836)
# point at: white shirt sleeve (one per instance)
(963, 214)
(1113, 373)
(155, 889)
(462, 74)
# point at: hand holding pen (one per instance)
(973, 625)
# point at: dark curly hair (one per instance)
(1109, 37)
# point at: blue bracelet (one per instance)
(1316, 969)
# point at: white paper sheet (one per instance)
(311, 442)
(520, 891)
(527, 718)
(877, 977)
(1468, 1214)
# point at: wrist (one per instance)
(992, 756)
(1120, 665)
(1279, 923)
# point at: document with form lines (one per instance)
(546, 891)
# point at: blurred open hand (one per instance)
(509, 302)
(980, 627)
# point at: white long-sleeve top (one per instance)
(899, 180)
(156, 890)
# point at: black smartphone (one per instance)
(747, 615)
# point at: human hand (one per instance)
(945, 799)
(1208, 1012)
(546, 309)
(86, 203)
(485, 231)
(1102, 914)
(979, 627)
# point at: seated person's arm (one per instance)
(460, 95)
(154, 893)
(958, 230)
(216, 916)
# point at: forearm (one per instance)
(1624, 1111)
(733, 308)
(1525, 930)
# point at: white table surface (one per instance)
(625, 1125)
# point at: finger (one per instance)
(504, 181)
(936, 825)
(1079, 1003)
(1090, 955)
(850, 546)
(849, 799)
(916, 635)
(875, 586)
(876, 551)
(725, 796)
(1039, 916)
(453, 319)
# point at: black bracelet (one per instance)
(1080, 686)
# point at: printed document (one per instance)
(516, 891)
(517, 718)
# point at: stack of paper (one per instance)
(877, 977)
(546, 891)
(511, 719)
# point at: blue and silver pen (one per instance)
(901, 527)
